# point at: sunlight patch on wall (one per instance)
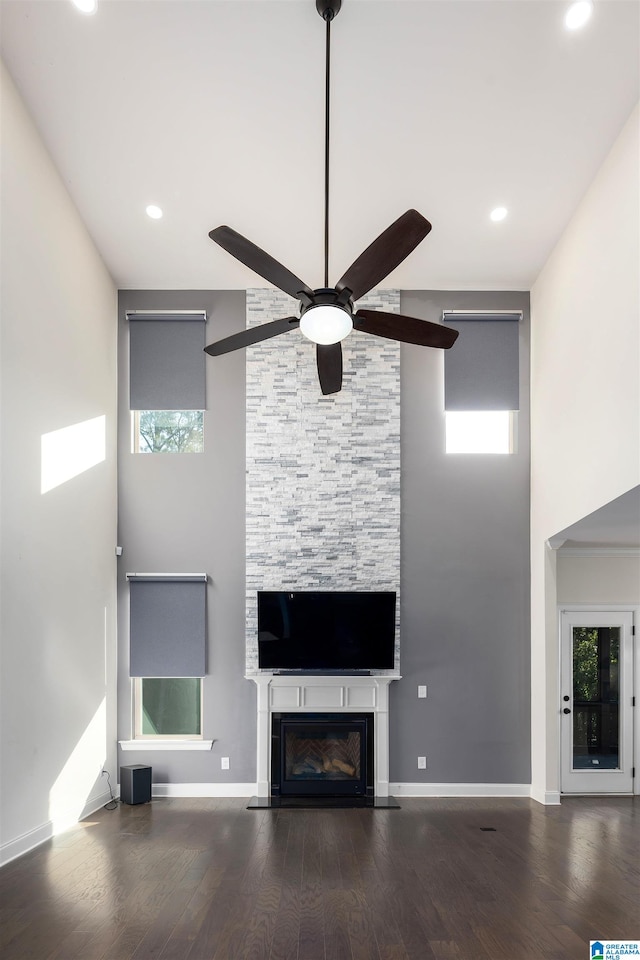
(72, 789)
(68, 452)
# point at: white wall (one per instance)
(58, 564)
(598, 579)
(585, 401)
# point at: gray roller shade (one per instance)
(167, 631)
(166, 360)
(482, 368)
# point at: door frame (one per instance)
(634, 609)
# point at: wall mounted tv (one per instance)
(326, 631)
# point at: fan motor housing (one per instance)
(328, 297)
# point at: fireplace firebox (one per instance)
(322, 755)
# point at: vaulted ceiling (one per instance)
(214, 110)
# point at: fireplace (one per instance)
(322, 755)
(303, 697)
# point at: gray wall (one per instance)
(464, 567)
(465, 580)
(185, 513)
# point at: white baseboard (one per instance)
(395, 789)
(460, 789)
(547, 797)
(17, 847)
(27, 841)
(95, 803)
(204, 789)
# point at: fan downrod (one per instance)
(332, 303)
(328, 9)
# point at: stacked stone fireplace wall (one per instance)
(323, 473)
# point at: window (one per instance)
(167, 654)
(167, 381)
(167, 431)
(168, 707)
(481, 378)
(479, 431)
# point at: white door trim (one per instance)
(632, 687)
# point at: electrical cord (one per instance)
(113, 803)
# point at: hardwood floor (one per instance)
(210, 880)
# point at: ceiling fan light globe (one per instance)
(326, 324)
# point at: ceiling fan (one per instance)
(327, 314)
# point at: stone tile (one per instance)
(323, 473)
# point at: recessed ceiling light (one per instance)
(154, 212)
(498, 214)
(578, 14)
(86, 6)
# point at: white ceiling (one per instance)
(214, 109)
(615, 524)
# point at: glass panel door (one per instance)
(596, 695)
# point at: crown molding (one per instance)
(599, 551)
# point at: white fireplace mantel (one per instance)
(282, 693)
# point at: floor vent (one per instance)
(489, 829)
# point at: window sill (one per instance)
(165, 744)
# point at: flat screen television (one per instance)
(326, 631)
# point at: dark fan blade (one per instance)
(260, 262)
(394, 326)
(385, 253)
(329, 360)
(253, 335)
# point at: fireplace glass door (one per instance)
(322, 755)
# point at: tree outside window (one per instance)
(168, 431)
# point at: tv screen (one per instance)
(332, 631)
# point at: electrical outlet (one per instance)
(224, 763)
(422, 763)
(422, 690)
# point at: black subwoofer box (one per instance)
(135, 784)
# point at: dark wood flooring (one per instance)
(210, 880)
